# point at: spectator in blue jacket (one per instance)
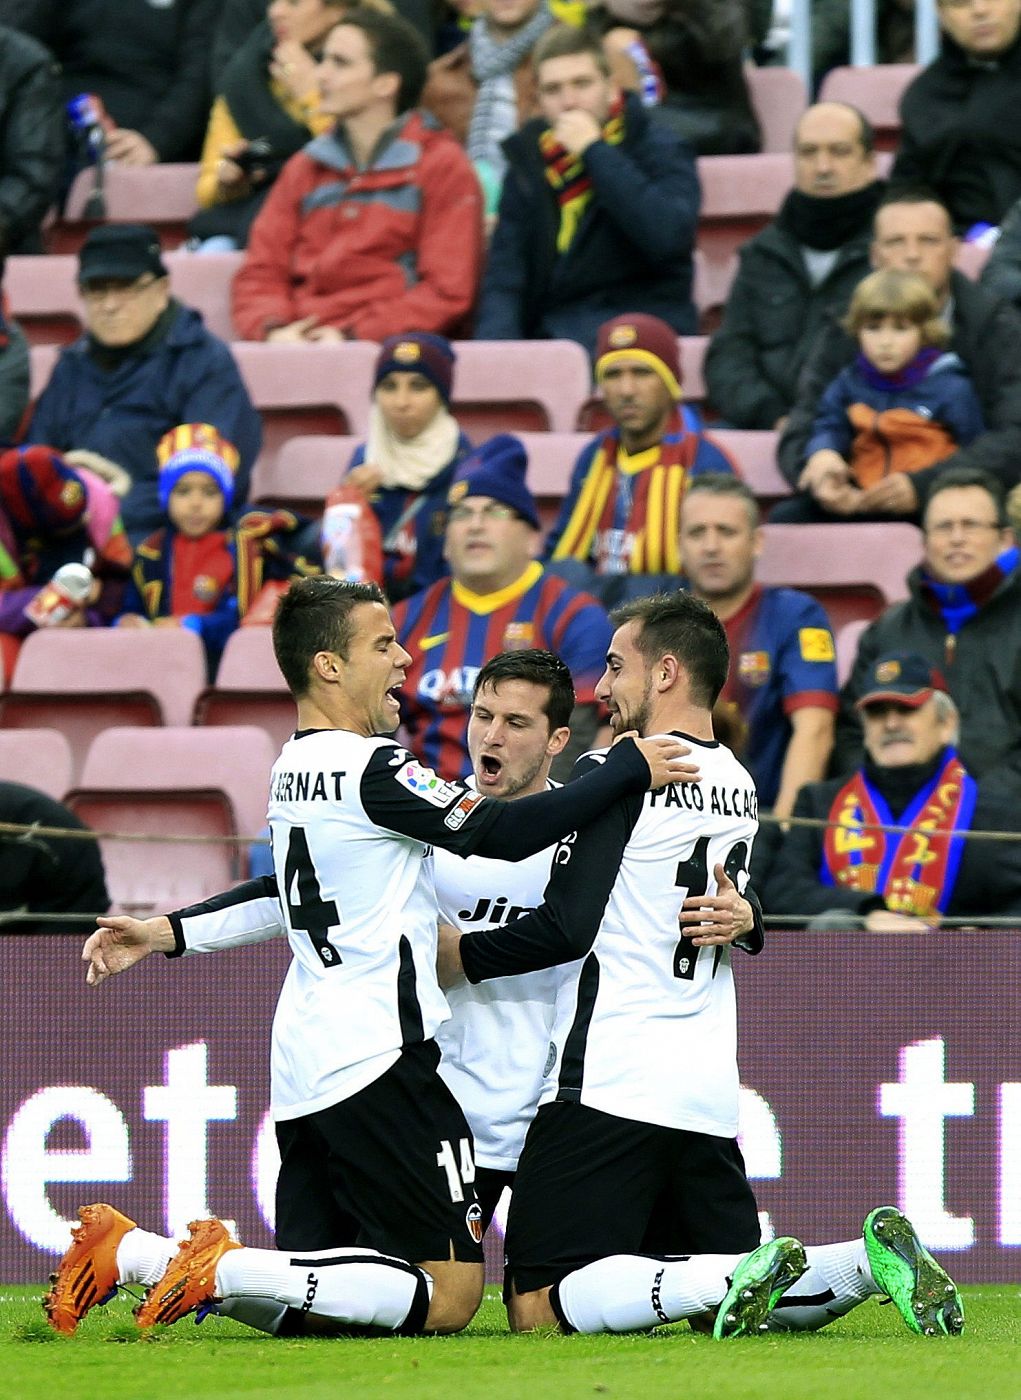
(598, 210)
(145, 364)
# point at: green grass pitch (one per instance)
(868, 1355)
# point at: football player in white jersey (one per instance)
(634, 1151)
(377, 1221)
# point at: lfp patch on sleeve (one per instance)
(424, 783)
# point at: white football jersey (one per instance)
(496, 1042)
(646, 1027)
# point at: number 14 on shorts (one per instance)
(460, 1173)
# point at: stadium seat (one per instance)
(711, 288)
(161, 195)
(740, 194)
(304, 471)
(42, 293)
(755, 454)
(509, 386)
(307, 388)
(876, 91)
(38, 758)
(778, 98)
(855, 570)
(178, 781)
(249, 688)
(81, 681)
(41, 359)
(847, 639)
(203, 281)
(593, 416)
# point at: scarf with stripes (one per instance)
(570, 181)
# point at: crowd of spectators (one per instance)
(522, 170)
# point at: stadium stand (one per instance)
(593, 418)
(305, 470)
(854, 570)
(755, 454)
(249, 688)
(846, 641)
(42, 358)
(199, 782)
(778, 99)
(81, 681)
(161, 195)
(876, 91)
(37, 758)
(507, 386)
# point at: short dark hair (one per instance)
(396, 47)
(684, 626)
(724, 484)
(315, 615)
(541, 668)
(911, 194)
(956, 477)
(866, 132)
(565, 40)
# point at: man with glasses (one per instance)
(963, 616)
(145, 364)
(498, 598)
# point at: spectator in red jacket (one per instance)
(375, 228)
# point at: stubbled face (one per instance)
(896, 735)
(983, 28)
(302, 21)
(374, 670)
(890, 342)
(195, 505)
(509, 739)
(573, 83)
(916, 238)
(719, 544)
(487, 544)
(962, 537)
(636, 398)
(829, 157)
(625, 687)
(120, 311)
(408, 401)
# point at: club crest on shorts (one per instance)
(473, 1219)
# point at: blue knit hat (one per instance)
(196, 447)
(497, 469)
(419, 352)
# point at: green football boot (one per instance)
(922, 1291)
(759, 1281)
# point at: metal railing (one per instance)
(863, 35)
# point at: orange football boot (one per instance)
(190, 1280)
(86, 1277)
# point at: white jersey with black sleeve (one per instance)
(351, 821)
(496, 1042)
(646, 1027)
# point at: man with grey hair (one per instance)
(885, 862)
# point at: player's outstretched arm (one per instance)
(120, 941)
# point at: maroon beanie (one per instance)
(641, 337)
(39, 491)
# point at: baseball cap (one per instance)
(903, 677)
(123, 251)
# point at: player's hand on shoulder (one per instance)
(449, 969)
(665, 757)
(720, 918)
(120, 941)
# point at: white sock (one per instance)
(261, 1313)
(837, 1279)
(359, 1286)
(628, 1293)
(142, 1257)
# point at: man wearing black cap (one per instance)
(498, 598)
(144, 364)
(853, 873)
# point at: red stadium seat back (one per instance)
(778, 98)
(182, 781)
(740, 195)
(847, 640)
(41, 359)
(593, 418)
(876, 91)
(161, 195)
(37, 758)
(509, 386)
(855, 570)
(711, 288)
(42, 293)
(203, 281)
(81, 681)
(249, 688)
(755, 454)
(551, 459)
(304, 471)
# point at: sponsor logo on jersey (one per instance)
(753, 667)
(457, 818)
(450, 690)
(473, 1219)
(423, 782)
(816, 644)
(434, 641)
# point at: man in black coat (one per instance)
(31, 140)
(912, 233)
(802, 266)
(959, 117)
(852, 875)
(46, 874)
(598, 210)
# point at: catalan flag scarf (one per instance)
(567, 175)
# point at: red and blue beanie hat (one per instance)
(418, 352)
(497, 469)
(196, 447)
(39, 491)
